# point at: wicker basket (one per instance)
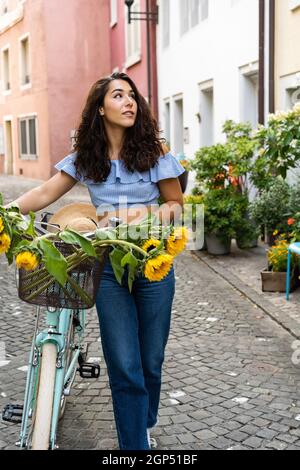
(87, 275)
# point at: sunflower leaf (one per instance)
(55, 263)
(115, 257)
(132, 262)
(74, 238)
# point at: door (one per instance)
(8, 160)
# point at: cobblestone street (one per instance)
(229, 381)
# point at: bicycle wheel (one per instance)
(44, 400)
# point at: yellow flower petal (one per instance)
(1, 225)
(151, 244)
(27, 260)
(5, 242)
(158, 268)
(176, 243)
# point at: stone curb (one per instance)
(287, 323)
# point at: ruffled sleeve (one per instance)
(166, 167)
(67, 165)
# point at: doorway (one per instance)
(8, 159)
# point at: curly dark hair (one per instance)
(142, 146)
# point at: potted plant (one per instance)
(274, 278)
(247, 233)
(223, 214)
(271, 208)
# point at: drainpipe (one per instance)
(261, 78)
(272, 14)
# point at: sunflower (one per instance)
(177, 241)
(1, 225)
(158, 268)
(27, 260)
(5, 242)
(150, 244)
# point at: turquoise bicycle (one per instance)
(57, 353)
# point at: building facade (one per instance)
(48, 61)
(287, 57)
(129, 46)
(207, 69)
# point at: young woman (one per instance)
(119, 156)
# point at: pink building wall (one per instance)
(69, 51)
(71, 46)
(32, 100)
(78, 54)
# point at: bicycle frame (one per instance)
(57, 331)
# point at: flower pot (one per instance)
(217, 246)
(276, 282)
(244, 246)
(183, 180)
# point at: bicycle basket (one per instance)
(87, 276)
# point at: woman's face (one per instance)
(119, 107)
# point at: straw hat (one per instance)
(80, 216)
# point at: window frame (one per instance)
(131, 31)
(113, 8)
(24, 85)
(5, 91)
(27, 118)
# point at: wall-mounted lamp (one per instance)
(141, 15)
(148, 16)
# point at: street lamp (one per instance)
(147, 16)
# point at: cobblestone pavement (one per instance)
(229, 381)
(242, 268)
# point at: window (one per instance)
(178, 126)
(3, 7)
(25, 74)
(5, 68)
(166, 23)
(192, 11)
(133, 39)
(206, 113)
(113, 12)
(184, 16)
(167, 133)
(248, 92)
(204, 9)
(28, 145)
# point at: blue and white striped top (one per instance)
(122, 187)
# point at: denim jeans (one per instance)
(134, 331)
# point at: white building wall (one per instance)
(216, 52)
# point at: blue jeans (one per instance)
(134, 331)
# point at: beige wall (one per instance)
(287, 56)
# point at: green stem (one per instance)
(121, 242)
(84, 296)
(39, 291)
(75, 259)
(49, 276)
